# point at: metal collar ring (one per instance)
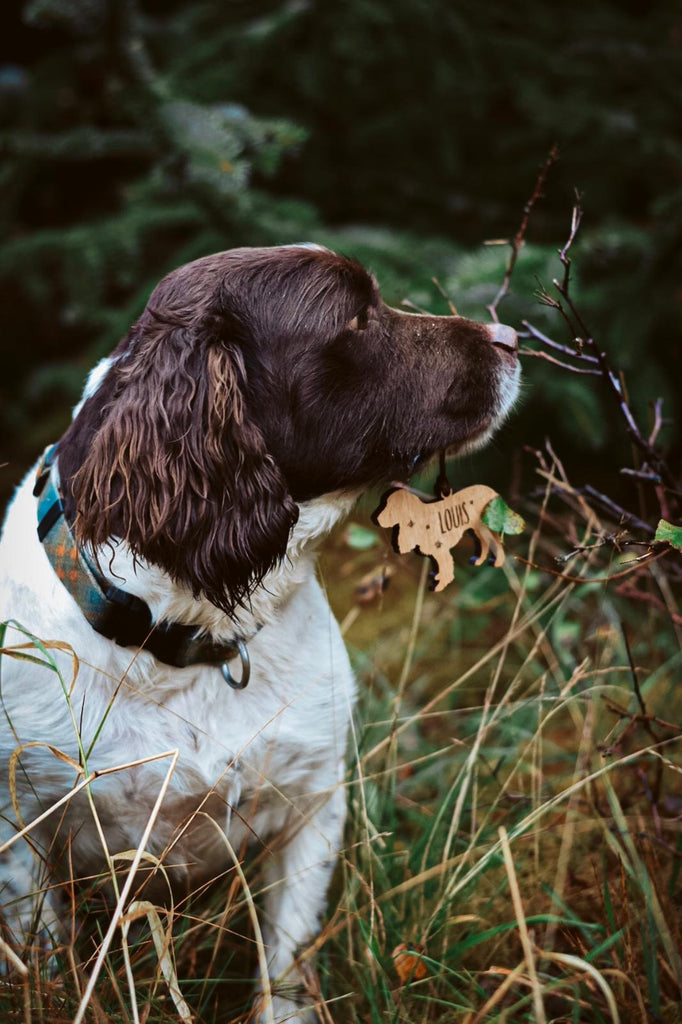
(243, 681)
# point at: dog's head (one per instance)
(256, 379)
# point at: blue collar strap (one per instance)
(113, 612)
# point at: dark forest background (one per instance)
(137, 136)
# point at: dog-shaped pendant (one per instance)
(433, 528)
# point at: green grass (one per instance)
(514, 816)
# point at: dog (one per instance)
(168, 541)
(446, 521)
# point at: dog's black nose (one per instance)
(504, 337)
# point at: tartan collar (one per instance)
(114, 612)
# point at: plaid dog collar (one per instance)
(113, 612)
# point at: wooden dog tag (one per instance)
(433, 528)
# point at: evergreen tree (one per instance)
(137, 136)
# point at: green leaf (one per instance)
(669, 533)
(500, 518)
(359, 537)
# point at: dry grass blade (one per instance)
(83, 784)
(129, 855)
(262, 958)
(526, 944)
(513, 635)
(566, 959)
(568, 833)
(162, 939)
(498, 995)
(118, 910)
(636, 866)
(15, 961)
(534, 816)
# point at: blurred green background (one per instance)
(137, 136)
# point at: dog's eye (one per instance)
(359, 322)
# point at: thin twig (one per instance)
(408, 304)
(576, 221)
(546, 299)
(557, 362)
(636, 564)
(658, 421)
(633, 673)
(641, 474)
(444, 294)
(577, 354)
(618, 709)
(617, 510)
(628, 590)
(615, 540)
(517, 240)
(614, 384)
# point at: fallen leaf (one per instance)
(408, 963)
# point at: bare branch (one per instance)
(642, 474)
(557, 362)
(517, 240)
(409, 304)
(576, 220)
(444, 294)
(633, 566)
(579, 354)
(621, 514)
(570, 313)
(658, 421)
(629, 590)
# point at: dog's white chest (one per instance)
(250, 768)
(249, 762)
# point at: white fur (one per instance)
(95, 378)
(508, 382)
(275, 749)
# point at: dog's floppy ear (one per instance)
(176, 467)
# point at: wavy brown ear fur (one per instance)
(164, 456)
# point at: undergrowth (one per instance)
(515, 797)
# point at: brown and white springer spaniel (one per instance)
(258, 394)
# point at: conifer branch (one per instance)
(85, 143)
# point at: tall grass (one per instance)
(515, 806)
